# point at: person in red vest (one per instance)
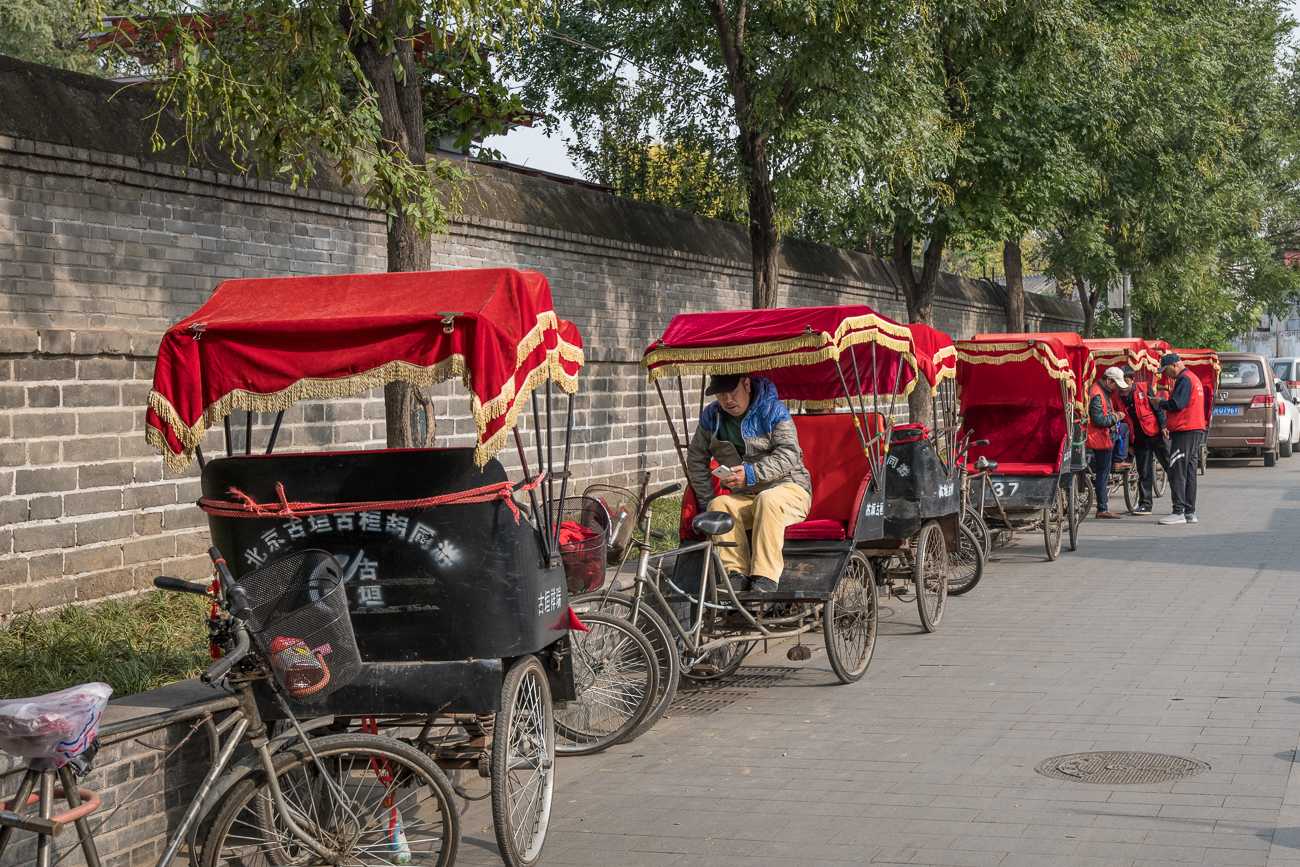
(1185, 413)
(1150, 438)
(1103, 421)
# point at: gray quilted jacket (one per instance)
(772, 454)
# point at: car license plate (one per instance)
(1227, 410)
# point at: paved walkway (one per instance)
(1164, 639)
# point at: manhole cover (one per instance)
(1121, 768)
(706, 699)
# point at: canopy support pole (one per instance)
(681, 396)
(550, 462)
(541, 462)
(704, 384)
(230, 440)
(857, 424)
(672, 429)
(862, 403)
(198, 453)
(564, 483)
(248, 432)
(275, 431)
(532, 498)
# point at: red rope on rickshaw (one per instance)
(245, 506)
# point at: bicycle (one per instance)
(345, 798)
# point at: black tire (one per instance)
(966, 564)
(850, 618)
(1072, 511)
(617, 682)
(247, 829)
(974, 521)
(1086, 493)
(1130, 490)
(930, 573)
(1204, 460)
(661, 639)
(717, 664)
(1284, 449)
(1054, 525)
(1160, 480)
(523, 763)
(1270, 458)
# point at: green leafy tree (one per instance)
(801, 102)
(286, 86)
(46, 32)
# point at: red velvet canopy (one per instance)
(262, 345)
(1082, 365)
(798, 348)
(1202, 364)
(935, 354)
(1119, 351)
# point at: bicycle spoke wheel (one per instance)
(1072, 511)
(1161, 480)
(617, 680)
(965, 564)
(717, 663)
(523, 764)
(930, 572)
(1130, 489)
(1054, 525)
(661, 639)
(370, 800)
(974, 521)
(849, 620)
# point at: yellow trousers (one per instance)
(767, 514)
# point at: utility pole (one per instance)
(1126, 284)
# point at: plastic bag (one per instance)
(56, 727)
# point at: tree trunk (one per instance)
(1088, 300)
(764, 239)
(1013, 266)
(407, 420)
(919, 297)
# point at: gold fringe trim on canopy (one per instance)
(507, 403)
(533, 339)
(1055, 367)
(695, 360)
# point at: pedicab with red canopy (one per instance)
(448, 576)
(830, 363)
(1019, 398)
(1204, 365)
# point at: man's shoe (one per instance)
(1191, 517)
(1126, 465)
(759, 584)
(1142, 510)
(1107, 514)
(739, 583)
(1175, 518)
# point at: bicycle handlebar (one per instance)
(222, 666)
(663, 492)
(163, 582)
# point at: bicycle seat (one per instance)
(713, 523)
(985, 464)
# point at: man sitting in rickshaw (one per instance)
(749, 432)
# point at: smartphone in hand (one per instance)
(723, 472)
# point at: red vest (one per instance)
(1146, 417)
(1099, 438)
(1193, 416)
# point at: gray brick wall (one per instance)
(100, 252)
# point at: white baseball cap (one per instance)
(1118, 375)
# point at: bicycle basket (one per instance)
(300, 623)
(584, 527)
(621, 504)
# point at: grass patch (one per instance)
(667, 519)
(132, 646)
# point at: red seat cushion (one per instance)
(1021, 436)
(1011, 468)
(824, 528)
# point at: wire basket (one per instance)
(584, 530)
(621, 504)
(300, 623)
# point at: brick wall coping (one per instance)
(79, 341)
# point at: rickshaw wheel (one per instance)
(1084, 498)
(930, 572)
(1130, 489)
(617, 681)
(247, 828)
(523, 763)
(661, 639)
(849, 620)
(966, 564)
(1072, 511)
(1161, 480)
(719, 663)
(1054, 525)
(974, 521)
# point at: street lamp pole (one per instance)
(1126, 282)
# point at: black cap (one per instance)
(1169, 358)
(723, 383)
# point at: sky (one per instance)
(531, 147)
